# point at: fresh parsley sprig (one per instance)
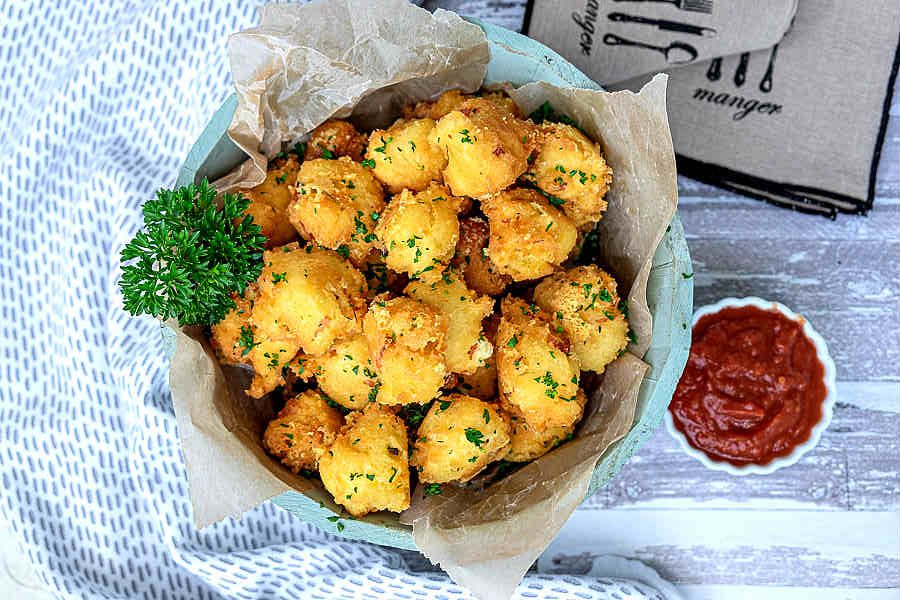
(192, 255)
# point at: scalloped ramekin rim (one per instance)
(827, 404)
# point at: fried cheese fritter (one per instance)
(335, 205)
(303, 431)
(537, 376)
(418, 231)
(585, 304)
(407, 341)
(367, 468)
(487, 147)
(335, 138)
(269, 201)
(458, 438)
(308, 299)
(529, 238)
(404, 156)
(571, 168)
(463, 310)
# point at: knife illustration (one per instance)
(663, 24)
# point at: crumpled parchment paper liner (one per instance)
(302, 65)
(305, 64)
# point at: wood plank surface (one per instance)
(828, 527)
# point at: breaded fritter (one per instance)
(464, 310)
(269, 201)
(418, 231)
(404, 156)
(458, 438)
(347, 373)
(453, 100)
(487, 147)
(538, 378)
(407, 341)
(303, 431)
(229, 336)
(479, 271)
(335, 138)
(584, 303)
(308, 299)
(571, 167)
(367, 469)
(527, 443)
(335, 205)
(529, 238)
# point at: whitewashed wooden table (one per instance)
(828, 527)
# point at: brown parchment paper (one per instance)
(363, 60)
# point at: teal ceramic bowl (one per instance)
(518, 60)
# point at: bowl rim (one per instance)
(828, 402)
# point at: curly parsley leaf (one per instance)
(191, 256)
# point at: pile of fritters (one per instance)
(426, 269)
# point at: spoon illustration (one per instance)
(714, 72)
(740, 75)
(676, 53)
(765, 85)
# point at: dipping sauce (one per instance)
(753, 387)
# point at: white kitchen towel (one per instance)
(101, 102)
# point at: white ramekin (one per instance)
(827, 403)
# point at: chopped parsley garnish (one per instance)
(368, 163)
(393, 474)
(383, 147)
(245, 340)
(474, 436)
(687, 275)
(512, 342)
(465, 139)
(279, 277)
(486, 415)
(281, 178)
(300, 150)
(326, 153)
(433, 489)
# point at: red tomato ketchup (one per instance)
(753, 387)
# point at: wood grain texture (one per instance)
(828, 527)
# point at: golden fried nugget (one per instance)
(467, 348)
(458, 438)
(406, 340)
(527, 443)
(347, 373)
(269, 201)
(487, 147)
(404, 156)
(308, 299)
(529, 238)
(571, 167)
(335, 138)
(303, 431)
(229, 336)
(336, 203)
(584, 302)
(419, 231)
(483, 382)
(366, 469)
(537, 376)
(453, 100)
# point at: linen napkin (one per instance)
(615, 40)
(799, 123)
